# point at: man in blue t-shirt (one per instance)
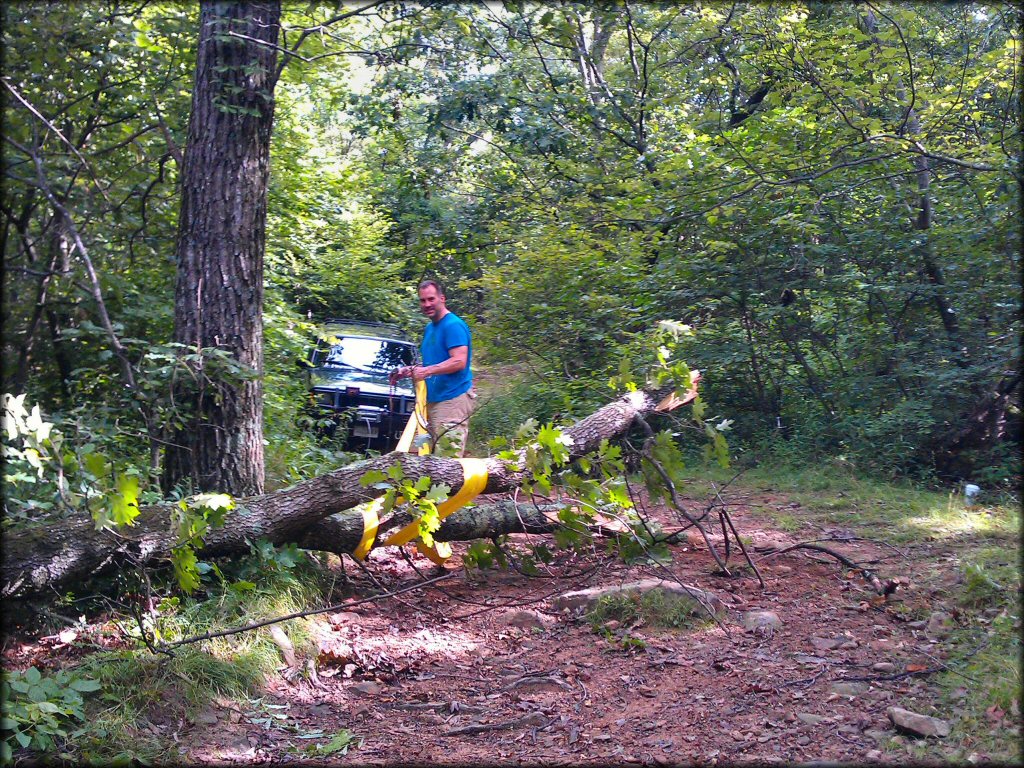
(446, 351)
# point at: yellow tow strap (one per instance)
(417, 424)
(474, 474)
(371, 520)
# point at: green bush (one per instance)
(656, 608)
(500, 414)
(38, 709)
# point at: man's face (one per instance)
(431, 302)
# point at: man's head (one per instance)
(432, 300)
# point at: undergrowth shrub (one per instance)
(500, 414)
(39, 710)
(656, 608)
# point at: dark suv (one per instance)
(348, 381)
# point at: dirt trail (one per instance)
(486, 672)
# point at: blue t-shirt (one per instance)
(450, 331)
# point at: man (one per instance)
(446, 352)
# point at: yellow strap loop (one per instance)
(437, 554)
(474, 474)
(371, 521)
(417, 424)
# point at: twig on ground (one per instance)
(536, 719)
(869, 576)
(166, 647)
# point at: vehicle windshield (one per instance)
(364, 354)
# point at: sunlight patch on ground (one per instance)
(954, 520)
(425, 641)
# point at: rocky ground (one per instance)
(488, 668)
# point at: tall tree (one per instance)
(221, 234)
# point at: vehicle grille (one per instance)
(340, 401)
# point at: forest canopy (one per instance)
(828, 194)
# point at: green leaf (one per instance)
(438, 493)
(96, 464)
(186, 568)
(84, 685)
(372, 477)
(698, 408)
(37, 694)
(124, 504)
(32, 676)
(339, 743)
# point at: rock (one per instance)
(803, 658)
(584, 599)
(803, 741)
(854, 688)
(939, 625)
(873, 754)
(825, 643)
(883, 666)
(526, 619)
(343, 617)
(771, 545)
(919, 725)
(810, 719)
(366, 688)
(754, 620)
(538, 683)
(783, 569)
(207, 717)
(877, 735)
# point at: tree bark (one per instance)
(221, 232)
(341, 533)
(50, 556)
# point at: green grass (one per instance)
(655, 608)
(832, 494)
(139, 687)
(981, 544)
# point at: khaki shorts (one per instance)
(449, 423)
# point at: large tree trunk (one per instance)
(221, 230)
(48, 557)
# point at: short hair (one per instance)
(430, 282)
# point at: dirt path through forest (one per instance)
(482, 670)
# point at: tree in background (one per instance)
(829, 192)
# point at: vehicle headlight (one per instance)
(325, 399)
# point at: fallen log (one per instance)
(341, 533)
(47, 557)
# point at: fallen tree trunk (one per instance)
(45, 558)
(341, 533)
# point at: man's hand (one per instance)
(399, 373)
(418, 373)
